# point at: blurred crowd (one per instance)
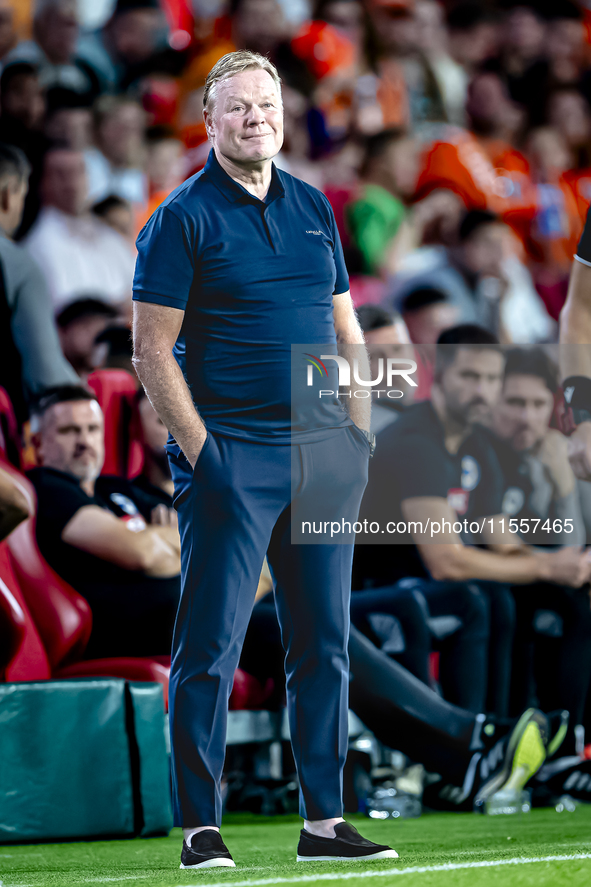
(453, 141)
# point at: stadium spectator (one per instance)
(375, 216)
(120, 50)
(115, 164)
(23, 107)
(482, 277)
(117, 214)
(473, 34)
(30, 355)
(53, 49)
(14, 505)
(117, 546)
(79, 324)
(459, 478)
(165, 168)
(75, 250)
(427, 312)
(68, 121)
(115, 345)
(384, 332)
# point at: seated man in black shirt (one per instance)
(435, 469)
(552, 656)
(115, 544)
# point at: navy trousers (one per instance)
(236, 506)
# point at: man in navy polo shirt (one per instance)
(237, 264)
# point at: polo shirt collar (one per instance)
(233, 191)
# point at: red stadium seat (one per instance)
(115, 391)
(47, 624)
(52, 620)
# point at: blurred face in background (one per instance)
(471, 385)
(71, 439)
(64, 184)
(347, 17)
(71, 127)
(548, 153)
(164, 165)
(522, 416)
(388, 342)
(120, 134)
(135, 34)
(484, 250)
(260, 25)
(13, 192)
(23, 99)
(524, 34)
(426, 324)
(78, 342)
(56, 31)
(472, 46)
(490, 109)
(569, 114)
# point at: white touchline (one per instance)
(387, 873)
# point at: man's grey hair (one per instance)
(235, 63)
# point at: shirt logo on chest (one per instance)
(313, 232)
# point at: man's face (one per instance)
(471, 385)
(523, 413)
(13, 202)
(134, 34)
(246, 123)
(71, 439)
(57, 31)
(483, 252)
(78, 341)
(64, 183)
(24, 99)
(387, 342)
(121, 134)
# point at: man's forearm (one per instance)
(461, 563)
(575, 324)
(169, 394)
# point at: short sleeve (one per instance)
(584, 248)
(57, 502)
(165, 262)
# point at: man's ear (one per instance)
(207, 119)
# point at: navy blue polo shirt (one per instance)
(253, 277)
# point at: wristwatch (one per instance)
(371, 439)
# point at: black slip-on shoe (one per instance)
(207, 850)
(348, 846)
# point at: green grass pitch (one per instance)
(264, 850)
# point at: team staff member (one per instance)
(238, 263)
(435, 464)
(575, 363)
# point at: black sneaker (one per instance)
(207, 850)
(563, 776)
(505, 762)
(347, 846)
